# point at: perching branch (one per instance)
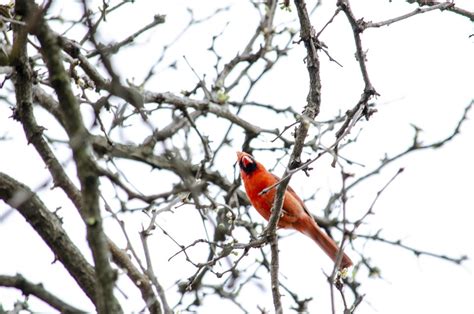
(310, 112)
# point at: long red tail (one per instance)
(311, 229)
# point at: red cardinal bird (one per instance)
(295, 215)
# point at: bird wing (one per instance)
(295, 196)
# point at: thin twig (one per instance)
(439, 6)
(417, 252)
(157, 19)
(370, 211)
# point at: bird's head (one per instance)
(247, 163)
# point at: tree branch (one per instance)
(113, 48)
(35, 136)
(439, 6)
(78, 137)
(453, 8)
(49, 227)
(310, 112)
(360, 53)
(29, 288)
(376, 237)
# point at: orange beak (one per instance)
(245, 158)
(240, 155)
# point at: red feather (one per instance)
(295, 215)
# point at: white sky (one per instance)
(423, 70)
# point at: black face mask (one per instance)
(249, 167)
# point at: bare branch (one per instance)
(29, 288)
(113, 48)
(417, 252)
(453, 8)
(106, 301)
(49, 227)
(360, 53)
(439, 6)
